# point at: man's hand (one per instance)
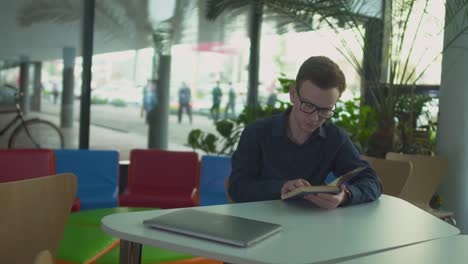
(327, 201)
(293, 184)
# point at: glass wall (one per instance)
(203, 53)
(33, 33)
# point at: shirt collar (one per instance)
(323, 131)
(280, 125)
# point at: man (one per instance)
(271, 101)
(231, 104)
(216, 95)
(299, 148)
(55, 92)
(184, 102)
(149, 99)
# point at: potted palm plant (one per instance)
(384, 87)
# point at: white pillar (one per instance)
(452, 138)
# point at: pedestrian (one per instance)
(185, 98)
(271, 101)
(149, 99)
(55, 92)
(231, 104)
(217, 95)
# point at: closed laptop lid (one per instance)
(228, 229)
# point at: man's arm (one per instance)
(245, 183)
(366, 186)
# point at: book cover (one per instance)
(333, 187)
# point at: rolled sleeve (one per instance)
(366, 186)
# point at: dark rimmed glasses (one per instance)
(310, 108)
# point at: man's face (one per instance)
(310, 96)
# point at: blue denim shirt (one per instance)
(266, 158)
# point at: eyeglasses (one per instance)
(310, 108)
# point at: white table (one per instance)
(449, 250)
(309, 234)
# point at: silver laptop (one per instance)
(233, 230)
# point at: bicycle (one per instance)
(30, 133)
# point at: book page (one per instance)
(302, 191)
(334, 187)
(347, 176)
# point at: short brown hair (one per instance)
(323, 72)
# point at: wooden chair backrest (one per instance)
(392, 173)
(44, 257)
(427, 174)
(34, 214)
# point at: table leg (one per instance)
(130, 252)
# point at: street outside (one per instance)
(122, 128)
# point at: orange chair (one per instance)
(162, 179)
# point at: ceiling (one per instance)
(40, 29)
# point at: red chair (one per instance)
(23, 164)
(162, 179)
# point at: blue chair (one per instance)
(97, 172)
(214, 171)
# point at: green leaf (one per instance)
(210, 143)
(194, 138)
(225, 127)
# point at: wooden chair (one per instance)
(427, 174)
(392, 173)
(44, 257)
(34, 214)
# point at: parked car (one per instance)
(117, 96)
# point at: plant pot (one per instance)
(382, 140)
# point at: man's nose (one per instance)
(314, 116)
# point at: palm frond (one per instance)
(316, 14)
(180, 25)
(56, 11)
(129, 18)
(403, 11)
(214, 8)
(453, 9)
(137, 11)
(413, 41)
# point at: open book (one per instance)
(333, 187)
